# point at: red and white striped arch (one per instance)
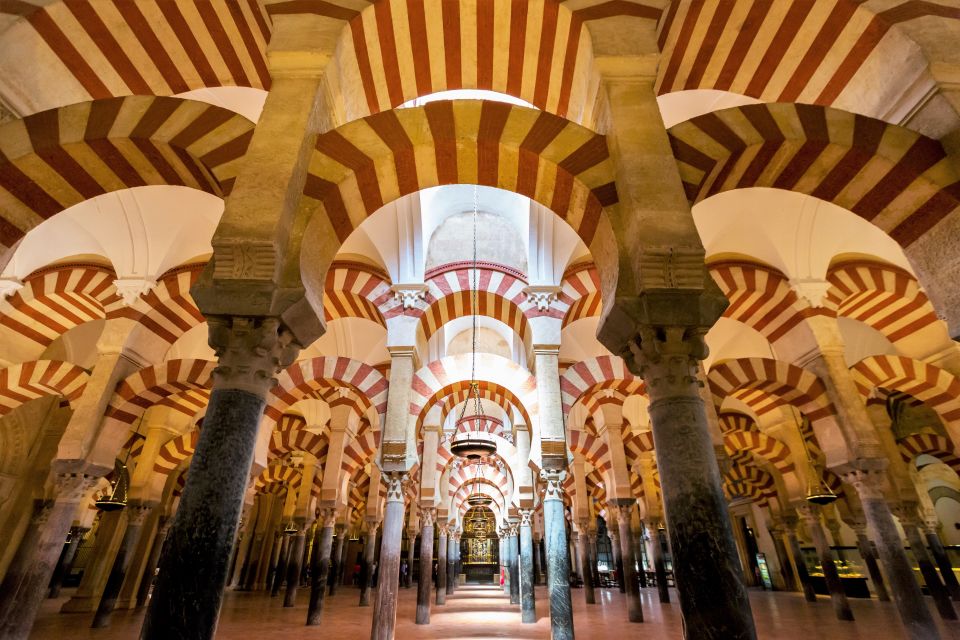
(355, 290)
(480, 424)
(145, 388)
(881, 296)
(748, 481)
(496, 394)
(167, 311)
(361, 451)
(299, 439)
(592, 448)
(56, 299)
(175, 451)
(740, 433)
(438, 379)
(765, 384)
(149, 47)
(302, 378)
(362, 165)
(580, 295)
(933, 386)
(28, 381)
(635, 444)
(189, 403)
(761, 298)
(55, 159)
(595, 375)
(902, 182)
(277, 478)
(930, 444)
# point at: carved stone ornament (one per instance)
(410, 296)
(247, 261)
(542, 296)
(130, 289)
(667, 358)
(9, 286)
(554, 479)
(396, 482)
(327, 517)
(250, 351)
(526, 517)
(869, 482)
(428, 516)
(73, 487)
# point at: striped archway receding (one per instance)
(149, 386)
(355, 290)
(503, 398)
(901, 181)
(589, 377)
(301, 378)
(362, 165)
(95, 50)
(55, 159)
(593, 449)
(28, 381)
(580, 295)
(930, 444)
(929, 384)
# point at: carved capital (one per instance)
(137, 513)
(428, 515)
(542, 296)
(41, 512)
(869, 483)
(906, 513)
(396, 482)
(72, 487)
(246, 261)
(554, 479)
(9, 286)
(130, 289)
(526, 517)
(327, 517)
(250, 352)
(668, 359)
(410, 296)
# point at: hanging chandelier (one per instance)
(818, 491)
(474, 444)
(117, 499)
(477, 499)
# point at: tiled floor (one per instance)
(483, 613)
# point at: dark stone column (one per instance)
(786, 570)
(939, 593)
(943, 563)
(442, 549)
(65, 563)
(804, 576)
(336, 557)
(705, 563)
(870, 559)
(320, 569)
(617, 558)
(583, 541)
(281, 569)
(427, 516)
(452, 548)
(149, 571)
(28, 576)
(369, 557)
(504, 559)
(136, 515)
(385, 609)
(634, 610)
(196, 557)
(658, 539)
(637, 542)
(513, 543)
(537, 564)
(906, 593)
(411, 556)
(558, 562)
(528, 606)
(841, 606)
(295, 565)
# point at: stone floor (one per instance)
(483, 613)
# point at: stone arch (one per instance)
(143, 58)
(592, 448)
(355, 290)
(112, 144)
(306, 375)
(28, 381)
(602, 372)
(277, 478)
(175, 451)
(502, 397)
(580, 295)
(148, 386)
(930, 444)
(778, 382)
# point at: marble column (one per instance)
(320, 569)
(385, 608)
(411, 556)
(617, 558)
(558, 562)
(658, 540)
(336, 557)
(943, 562)
(870, 559)
(911, 527)
(295, 563)
(528, 606)
(427, 516)
(65, 564)
(513, 542)
(452, 548)
(281, 569)
(811, 517)
(369, 557)
(634, 610)
(583, 540)
(705, 563)
(28, 576)
(537, 561)
(637, 542)
(442, 549)
(786, 569)
(149, 571)
(802, 574)
(196, 557)
(136, 515)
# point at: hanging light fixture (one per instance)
(477, 499)
(474, 445)
(117, 499)
(818, 491)
(290, 529)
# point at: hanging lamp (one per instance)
(473, 445)
(290, 529)
(818, 491)
(117, 499)
(477, 499)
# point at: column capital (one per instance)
(396, 482)
(868, 477)
(906, 512)
(137, 512)
(668, 359)
(327, 517)
(250, 352)
(72, 487)
(526, 517)
(554, 479)
(428, 515)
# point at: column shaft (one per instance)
(528, 611)
(320, 570)
(426, 570)
(939, 593)
(634, 610)
(452, 548)
(873, 569)
(943, 563)
(65, 563)
(369, 557)
(280, 571)
(558, 562)
(841, 606)
(583, 541)
(385, 609)
(295, 566)
(442, 549)
(108, 599)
